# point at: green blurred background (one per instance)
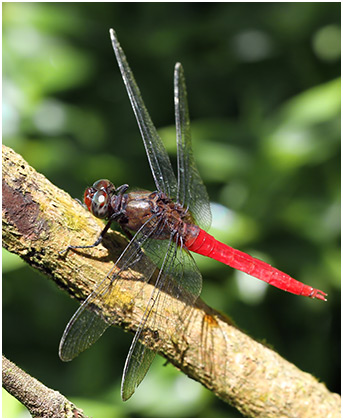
(264, 97)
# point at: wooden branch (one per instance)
(39, 220)
(40, 400)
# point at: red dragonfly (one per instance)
(166, 224)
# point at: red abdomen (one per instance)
(207, 245)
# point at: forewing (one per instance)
(84, 329)
(178, 277)
(192, 192)
(86, 326)
(160, 165)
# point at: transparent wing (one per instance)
(84, 329)
(192, 192)
(136, 367)
(179, 277)
(88, 323)
(160, 165)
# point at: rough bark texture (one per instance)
(37, 398)
(39, 220)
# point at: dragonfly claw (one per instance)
(64, 250)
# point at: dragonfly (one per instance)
(165, 226)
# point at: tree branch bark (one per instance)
(40, 400)
(39, 220)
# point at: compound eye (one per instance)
(103, 184)
(87, 197)
(99, 205)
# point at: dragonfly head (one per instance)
(98, 198)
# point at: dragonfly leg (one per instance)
(121, 190)
(96, 243)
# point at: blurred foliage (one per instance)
(264, 98)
